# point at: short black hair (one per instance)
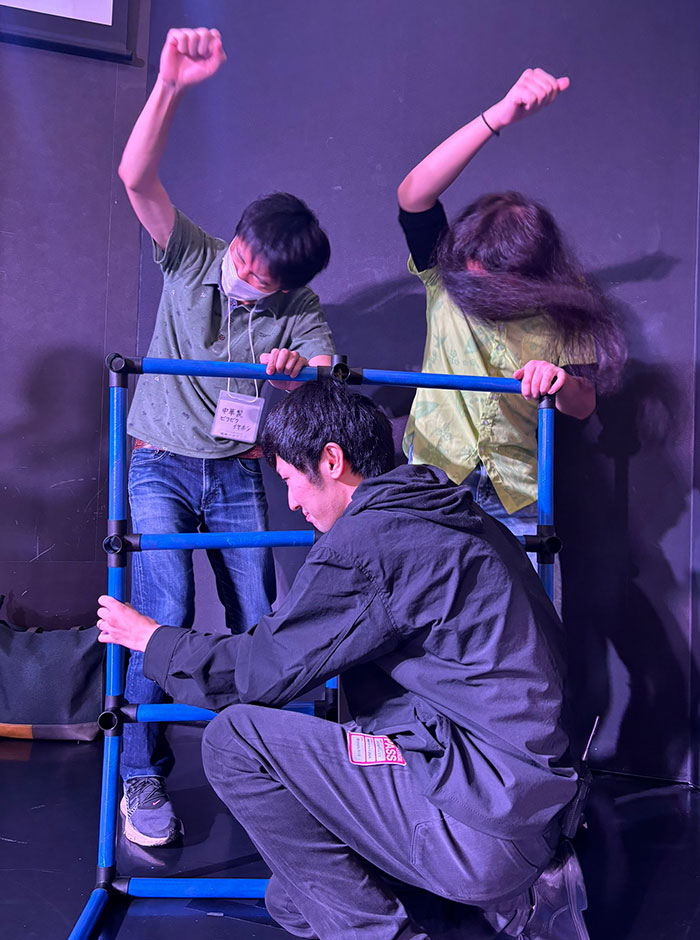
(325, 411)
(286, 233)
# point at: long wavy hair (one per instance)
(504, 258)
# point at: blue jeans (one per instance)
(521, 522)
(170, 493)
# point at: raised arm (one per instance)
(431, 177)
(189, 56)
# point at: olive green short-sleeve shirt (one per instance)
(455, 430)
(175, 412)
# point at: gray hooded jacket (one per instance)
(445, 640)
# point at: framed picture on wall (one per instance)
(98, 28)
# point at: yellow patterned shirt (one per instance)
(455, 430)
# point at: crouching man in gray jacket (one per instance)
(455, 771)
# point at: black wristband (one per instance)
(497, 133)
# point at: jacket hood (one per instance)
(422, 491)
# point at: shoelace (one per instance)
(147, 788)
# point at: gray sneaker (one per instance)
(148, 814)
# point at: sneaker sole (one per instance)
(139, 838)
(576, 892)
(562, 921)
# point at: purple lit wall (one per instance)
(334, 102)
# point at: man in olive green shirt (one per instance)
(246, 300)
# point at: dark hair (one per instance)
(318, 413)
(525, 268)
(286, 233)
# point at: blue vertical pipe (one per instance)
(108, 802)
(91, 912)
(545, 482)
(116, 587)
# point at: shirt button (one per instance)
(221, 337)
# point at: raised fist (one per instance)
(190, 56)
(535, 89)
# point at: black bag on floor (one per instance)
(51, 682)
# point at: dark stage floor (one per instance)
(640, 855)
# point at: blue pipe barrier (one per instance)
(545, 487)
(468, 383)
(294, 537)
(234, 370)
(109, 804)
(196, 887)
(175, 712)
(119, 543)
(245, 370)
(114, 678)
(545, 462)
(90, 915)
(117, 452)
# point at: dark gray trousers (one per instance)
(317, 820)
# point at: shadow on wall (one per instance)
(620, 489)
(51, 499)
(383, 327)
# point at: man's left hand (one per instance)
(120, 623)
(538, 378)
(283, 360)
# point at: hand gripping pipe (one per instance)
(119, 543)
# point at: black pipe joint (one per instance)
(117, 713)
(105, 877)
(341, 371)
(549, 544)
(122, 366)
(117, 544)
(110, 722)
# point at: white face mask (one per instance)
(234, 286)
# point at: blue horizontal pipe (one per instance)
(236, 370)
(91, 912)
(466, 383)
(248, 370)
(196, 887)
(175, 712)
(181, 540)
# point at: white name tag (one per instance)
(237, 417)
(372, 749)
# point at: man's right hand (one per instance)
(191, 56)
(120, 623)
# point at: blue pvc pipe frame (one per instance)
(116, 587)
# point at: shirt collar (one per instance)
(213, 276)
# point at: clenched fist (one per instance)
(191, 56)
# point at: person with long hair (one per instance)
(506, 297)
